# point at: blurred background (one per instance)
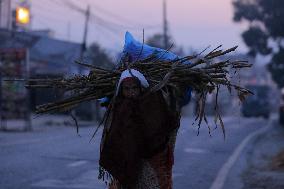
(43, 38)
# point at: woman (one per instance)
(138, 139)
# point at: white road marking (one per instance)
(53, 183)
(21, 142)
(195, 150)
(29, 141)
(77, 163)
(224, 171)
(177, 175)
(88, 180)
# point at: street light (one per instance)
(22, 15)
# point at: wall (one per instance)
(5, 14)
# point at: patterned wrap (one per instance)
(156, 172)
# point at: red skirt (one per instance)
(156, 172)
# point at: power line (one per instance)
(75, 7)
(110, 26)
(59, 3)
(42, 15)
(47, 24)
(109, 23)
(70, 6)
(118, 17)
(113, 35)
(106, 27)
(117, 24)
(45, 8)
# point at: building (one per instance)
(48, 57)
(5, 14)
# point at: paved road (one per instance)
(55, 157)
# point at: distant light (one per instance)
(22, 15)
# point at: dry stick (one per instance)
(187, 58)
(219, 64)
(76, 123)
(218, 114)
(16, 79)
(164, 53)
(165, 79)
(106, 116)
(216, 104)
(200, 61)
(224, 52)
(208, 126)
(91, 66)
(140, 53)
(202, 109)
(197, 110)
(213, 51)
(65, 103)
(204, 50)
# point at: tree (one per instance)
(99, 57)
(265, 34)
(157, 40)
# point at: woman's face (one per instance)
(131, 89)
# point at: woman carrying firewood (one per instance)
(142, 119)
(139, 135)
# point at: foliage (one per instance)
(157, 40)
(99, 57)
(265, 18)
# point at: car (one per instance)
(281, 108)
(258, 104)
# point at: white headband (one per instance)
(132, 73)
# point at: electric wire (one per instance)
(118, 17)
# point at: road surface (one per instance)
(57, 158)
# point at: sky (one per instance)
(193, 24)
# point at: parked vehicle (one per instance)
(257, 104)
(281, 108)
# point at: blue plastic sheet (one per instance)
(140, 51)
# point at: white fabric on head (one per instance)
(135, 73)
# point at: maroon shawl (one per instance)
(139, 129)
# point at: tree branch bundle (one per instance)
(203, 74)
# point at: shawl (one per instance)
(139, 130)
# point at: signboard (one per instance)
(13, 95)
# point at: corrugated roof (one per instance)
(58, 55)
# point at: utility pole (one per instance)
(2, 126)
(87, 16)
(68, 30)
(0, 13)
(165, 25)
(94, 107)
(28, 126)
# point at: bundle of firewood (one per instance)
(203, 74)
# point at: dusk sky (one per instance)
(192, 23)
